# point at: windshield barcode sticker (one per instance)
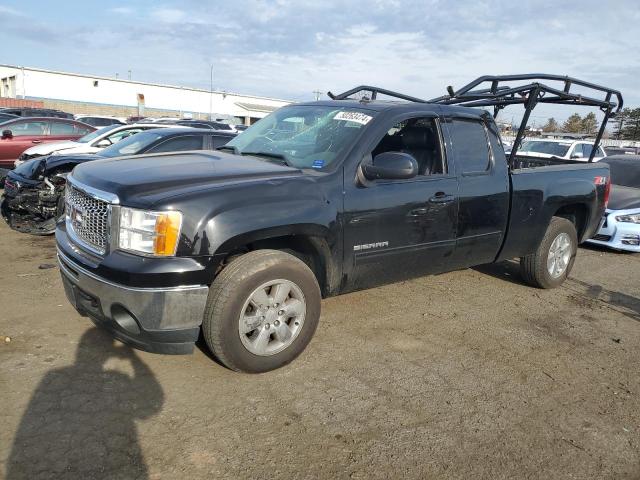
(356, 117)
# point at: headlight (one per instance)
(633, 218)
(150, 233)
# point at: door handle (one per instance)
(36, 141)
(441, 198)
(419, 211)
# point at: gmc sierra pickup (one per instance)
(315, 200)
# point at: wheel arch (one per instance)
(311, 243)
(576, 213)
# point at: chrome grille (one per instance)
(88, 218)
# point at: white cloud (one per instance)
(168, 15)
(121, 10)
(9, 11)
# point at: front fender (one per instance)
(236, 216)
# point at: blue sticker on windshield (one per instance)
(317, 164)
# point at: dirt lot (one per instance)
(463, 375)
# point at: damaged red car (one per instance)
(22, 133)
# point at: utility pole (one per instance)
(211, 94)
(129, 72)
(317, 94)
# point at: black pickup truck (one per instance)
(315, 200)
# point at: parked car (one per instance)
(620, 227)
(241, 128)
(33, 195)
(171, 120)
(562, 149)
(138, 119)
(99, 121)
(210, 124)
(90, 143)
(624, 150)
(22, 133)
(316, 199)
(36, 112)
(7, 116)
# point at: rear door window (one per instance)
(23, 129)
(470, 145)
(219, 141)
(80, 130)
(61, 128)
(178, 144)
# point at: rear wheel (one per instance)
(262, 311)
(552, 262)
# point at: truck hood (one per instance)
(48, 148)
(146, 179)
(623, 198)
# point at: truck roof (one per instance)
(388, 105)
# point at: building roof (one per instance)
(256, 107)
(121, 80)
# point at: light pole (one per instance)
(211, 94)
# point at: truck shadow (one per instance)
(508, 271)
(627, 305)
(80, 421)
(582, 292)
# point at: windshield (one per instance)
(551, 148)
(131, 145)
(95, 134)
(303, 136)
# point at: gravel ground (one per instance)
(464, 375)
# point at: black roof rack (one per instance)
(529, 94)
(374, 91)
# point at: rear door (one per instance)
(61, 130)
(484, 189)
(25, 134)
(397, 229)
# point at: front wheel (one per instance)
(552, 262)
(262, 311)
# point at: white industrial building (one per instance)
(87, 94)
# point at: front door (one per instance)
(396, 229)
(24, 134)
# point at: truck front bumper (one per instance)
(160, 320)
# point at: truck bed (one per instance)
(525, 161)
(542, 191)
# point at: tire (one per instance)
(232, 302)
(536, 269)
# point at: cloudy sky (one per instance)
(288, 49)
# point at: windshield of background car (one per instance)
(93, 135)
(559, 149)
(131, 145)
(305, 136)
(624, 172)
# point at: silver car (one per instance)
(620, 228)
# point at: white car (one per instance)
(565, 149)
(90, 143)
(620, 227)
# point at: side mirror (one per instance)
(577, 155)
(104, 143)
(7, 134)
(391, 166)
